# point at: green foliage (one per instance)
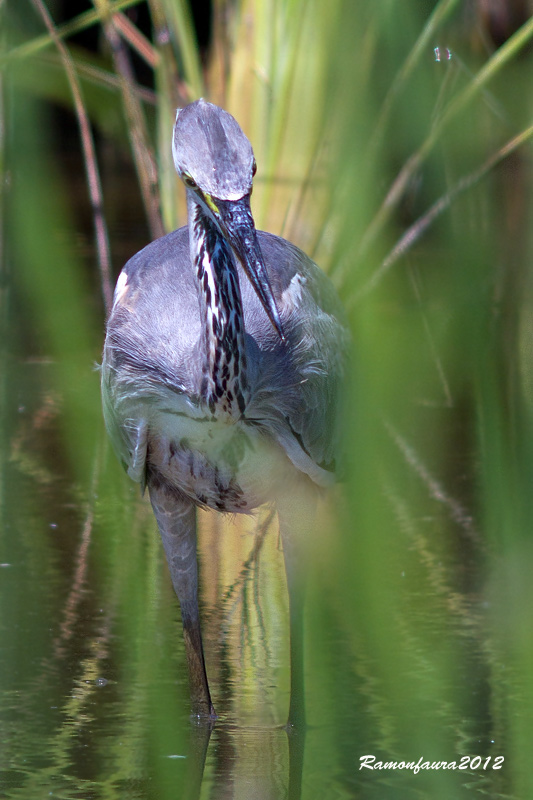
(393, 146)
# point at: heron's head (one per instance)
(216, 163)
(211, 153)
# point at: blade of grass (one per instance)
(418, 228)
(440, 14)
(142, 152)
(179, 21)
(137, 41)
(504, 54)
(91, 164)
(171, 92)
(281, 69)
(76, 25)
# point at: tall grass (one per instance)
(405, 171)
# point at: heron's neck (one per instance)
(224, 386)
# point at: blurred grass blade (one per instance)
(91, 164)
(418, 228)
(171, 93)
(439, 15)
(76, 25)
(507, 51)
(182, 32)
(142, 150)
(137, 41)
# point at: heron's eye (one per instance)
(188, 181)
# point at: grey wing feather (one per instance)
(300, 385)
(151, 336)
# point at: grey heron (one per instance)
(223, 361)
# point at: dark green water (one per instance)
(94, 697)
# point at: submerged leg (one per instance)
(176, 519)
(296, 515)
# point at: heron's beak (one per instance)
(235, 219)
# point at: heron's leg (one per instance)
(176, 519)
(296, 514)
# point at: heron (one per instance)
(223, 363)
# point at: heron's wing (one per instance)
(152, 337)
(299, 387)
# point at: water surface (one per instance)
(94, 698)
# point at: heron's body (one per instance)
(218, 392)
(231, 460)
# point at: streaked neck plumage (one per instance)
(224, 386)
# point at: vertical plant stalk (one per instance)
(4, 278)
(89, 157)
(179, 80)
(181, 27)
(171, 92)
(142, 153)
